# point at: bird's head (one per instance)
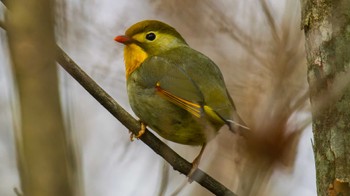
(147, 38)
(152, 36)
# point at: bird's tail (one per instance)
(232, 124)
(237, 125)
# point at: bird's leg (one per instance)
(195, 163)
(140, 133)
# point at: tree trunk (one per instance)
(327, 31)
(43, 154)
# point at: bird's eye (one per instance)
(150, 36)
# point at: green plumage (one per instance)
(189, 75)
(173, 71)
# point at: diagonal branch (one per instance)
(178, 163)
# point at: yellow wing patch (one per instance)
(213, 115)
(193, 108)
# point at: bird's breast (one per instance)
(134, 55)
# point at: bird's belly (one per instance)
(167, 119)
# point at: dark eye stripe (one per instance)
(150, 36)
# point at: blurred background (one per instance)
(259, 47)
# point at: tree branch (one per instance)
(178, 163)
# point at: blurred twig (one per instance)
(236, 33)
(178, 163)
(43, 156)
(270, 20)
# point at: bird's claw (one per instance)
(140, 133)
(195, 165)
(194, 168)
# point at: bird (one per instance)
(175, 90)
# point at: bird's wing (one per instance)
(175, 82)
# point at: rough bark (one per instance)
(327, 29)
(43, 153)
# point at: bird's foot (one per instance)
(195, 164)
(140, 133)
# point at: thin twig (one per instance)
(235, 32)
(270, 20)
(178, 163)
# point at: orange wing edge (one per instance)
(193, 108)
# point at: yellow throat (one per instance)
(134, 55)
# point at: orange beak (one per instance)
(123, 39)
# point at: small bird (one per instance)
(175, 90)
